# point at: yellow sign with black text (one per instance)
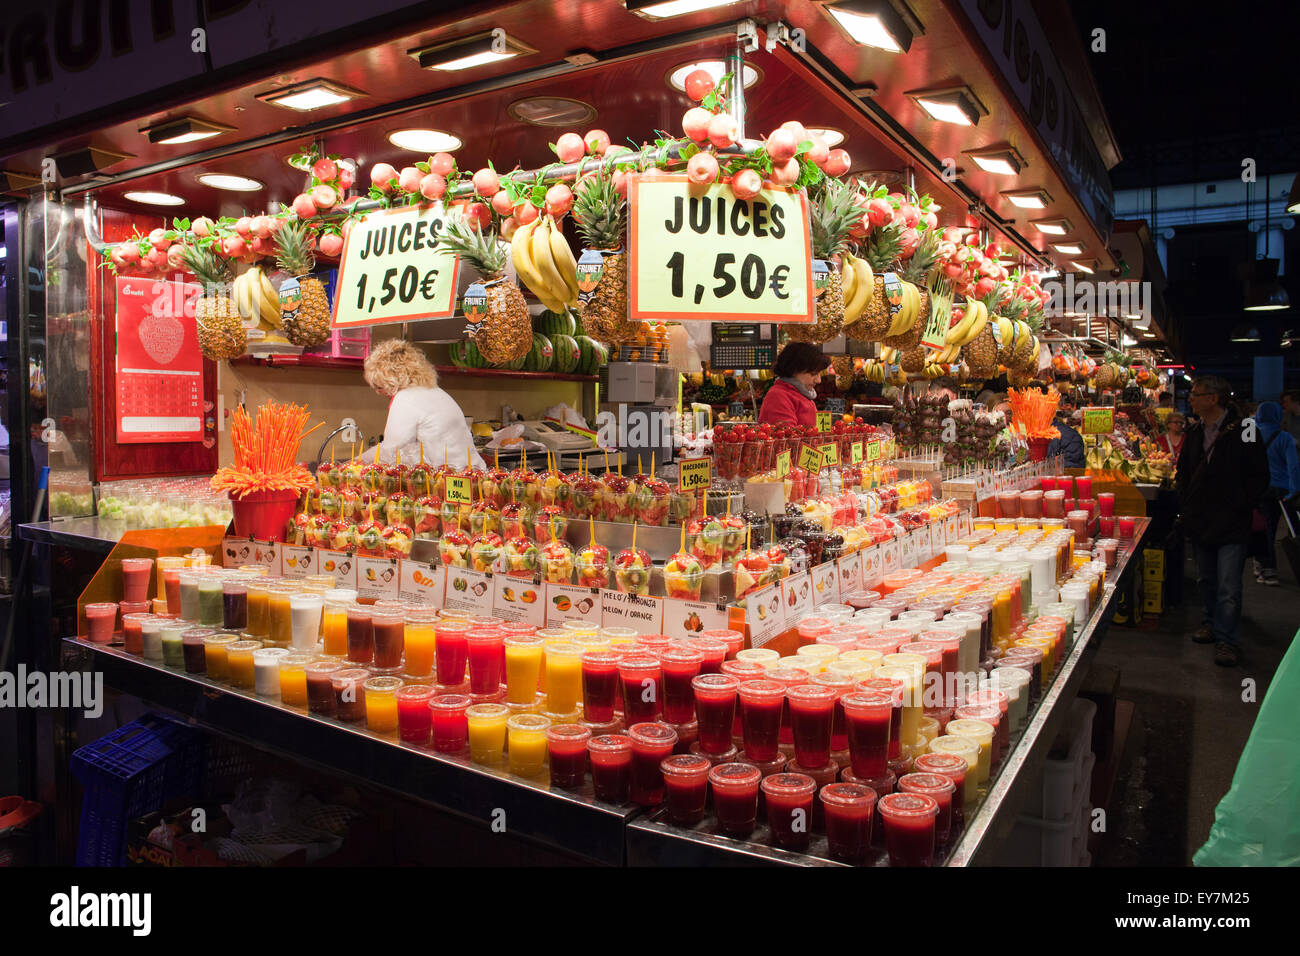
(694, 473)
(459, 491)
(810, 459)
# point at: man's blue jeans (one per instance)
(1219, 567)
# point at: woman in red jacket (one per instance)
(798, 369)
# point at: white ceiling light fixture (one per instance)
(663, 9)
(715, 69)
(1029, 198)
(1082, 267)
(227, 181)
(184, 129)
(1000, 160)
(832, 137)
(1051, 227)
(426, 141)
(310, 95)
(154, 198)
(956, 105)
(875, 23)
(1068, 248)
(469, 52)
(552, 111)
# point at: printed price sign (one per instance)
(850, 573)
(571, 602)
(236, 551)
(377, 577)
(783, 464)
(824, 421)
(937, 540)
(765, 613)
(1098, 421)
(341, 564)
(520, 599)
(855, 453)
(267, 553)
(810, 459)
(825, 584)
(951, 531)
(701, 254)
(963, 523)
(891, 555)
(797, 595)
(873, 451)
(694, 473)
(421, 583)
(830, 454)
(873, 562)
(689, 618)
(936, 327)
(393, 271)
(620, 609)
(907, 550)
(298, 562)
(467, 590)
(458, 490)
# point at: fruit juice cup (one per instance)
(1028, 659)
(686, 778)
(450, 722)
(789, 798)
(170, 637)
(318, 680)
(981, 732)
(279, 613)
(1077, 521)
(679, 665)
(170, 585)
(938, 787)
(600, 684)
(135, 579)
(968, 750)
(859, 656)
(189, 588)
(526, 744)
(869, 717)
(812, 711)
(1083, 486)
(1008, 504)
(761, 703)
(215, 648)
(414, 716)
(484, 647)
(1106, 504)
(523, 653)
(763, 656)
(1054, 504)
(240, 670)
(234, 604)
(735, 797)
(815, 657)
(933, 654)
(1109, 548)
(909, 823)
(1014, 682)
(383, 713)
(641, 680)
(418, 642)
(715, 705)
(651, 743)
(847, 811)
(713, 652)
(451, 651)
(742, 671)
(348, 688)
(334, 624)
(1127, 526)
(562, 681)
(305, 609)
(100, 619)
(361, 634)
(192, 651)
(610, 757)
(486, 729)
(566, 747)
(258, 607)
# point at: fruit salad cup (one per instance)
(397, 540)
(733, 537)
(616, 497)
(683, 576)
(374, 478)
(484, 517)
(419, 480)
(395, 479)
(453, 548)
(318, 532)
(556, 562)
(632, 570)
(376, 500)
(352, 473)
(438, 486)
(592, 565)
(297, 530)
(753, 570)
(349, 503)
(393, 510)
(452, 513)
(549, 484)
(520, 555)
(484, 551)
(523, 486)
(726, 457)
(329, 502)
(650, 501)
(706, 537)
(681, 506)
(494, 484)
(549, 519)
(328, 475)
(342, 536)
(584, 501)
(779, 563)
(428, 523)
(370, 538)
(516, 520)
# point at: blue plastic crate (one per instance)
(134, 770)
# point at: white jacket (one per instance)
(428, 417)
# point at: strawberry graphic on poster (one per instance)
(159, 374)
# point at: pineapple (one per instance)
(916, 270)
(506, 332)
(220, 327)
(601, 215)
(981, 355)
(1023, 357)
(880, 252)
(834, 214)
(309, 324)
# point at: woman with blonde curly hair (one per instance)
(419, 412)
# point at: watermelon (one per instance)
(456, 354)
(473, 357)
(541, 355)
(517, 364)
(556, 323)
(567, 354)
(593, 355)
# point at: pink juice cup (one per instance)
(841, 684)
(600, 685)
(869, 716)
(642, 680)
(1107, 523)
(100, 620)
(909, 823)
(1106, 504)
(713, 653)
(610, 756)
(135, 579)
(414, 718)
(939, 787)
(566, 747)
(735, 640)
(450, 725)
(484, 647)
(954, 767)
(812, 711)
(686, 787)
(789, 798)
(848, 808)
(715, 707)
(742, 671)
(761, 702)
(651, 743)
(896, 691)
(735, 797)
(1083, 485)
(1127, 526)
(680, 666)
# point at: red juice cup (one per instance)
(869, 715)
(715, 708)
(196, 660)
(1127, 526)
(686, 787)
(742, 670)
(909, 820)
(654, 643)
(1054, 504)
(735, 797)
(388, 632)
(713, 653)
(361, 635)
(135, 580)
(641, 679)
(848, 808)
(895, 689)
(954, 767)
(735, 640)
(172, 589)
(100, 618)
(450, 725)
(414, 718)
(788, 677)
(1107, 523)
(812, 712)
(939, 787)
(566, 745)
(651, 743)
(760, 712)
(600, 685)
(1008, 504)
(1083, 486)
(1106, 504)
(789, 798)
(451, 651)
(841, 684)
(484, 649)
(320, 687)
(1031, 504)
(610, 756)
(349, 693)
(680, 666)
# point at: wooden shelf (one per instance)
(508, 373)
(299, 361)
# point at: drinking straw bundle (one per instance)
(266, 451)
(1032, 412)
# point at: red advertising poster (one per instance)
(159, 366)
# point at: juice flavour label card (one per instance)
(297, 561)
(341, 564)
(891, 556)
(620, 609)
(921, 542)
(236, 552)
(796, 595)
(765, 613)
(963, 523)
(907, 550)
(951, 529)
(850, 568)
(689, 618)
(826, 584)
(267, 553)
(571, 602)
(873, 563)
(519, 599)
(938, 537)
(421, 582)
(468, 590)
(377, 577)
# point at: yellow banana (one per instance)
(977, 326)
(270, 303)
(864, 284)
(847, 277)
(540, 243)
(239, 292)
(565, 264)
(522, 256)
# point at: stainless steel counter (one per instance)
(86, 534)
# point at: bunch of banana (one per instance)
(909, 312)
(256, 299)
(858, 282)
(1007, 333)
(971, 324)
(874, 371)
(545, 263)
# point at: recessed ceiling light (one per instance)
(1052, 227)
(956, 105)
(715, 69)
(552, 111)
(469, 52)
(1148, 335)
(833, 137)
(1079, 266)
(310, 95)
(1068, 248)
(873, 23)
(186, 129)
(239, 184)
(1029, 198)
(154, 199)
(663, 9)
(1001, 160)
(425, 140)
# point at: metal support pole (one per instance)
(736, 94)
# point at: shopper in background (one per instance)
(1283, 482)
(1070, 443)
(792, 397)
(1175, 433)
(1291, 414)
(1221, 477)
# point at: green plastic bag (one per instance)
(1257, 823)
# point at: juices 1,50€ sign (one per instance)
(393, 271)
(698, 252)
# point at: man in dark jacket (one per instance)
(1070, 445)
(1222, 472)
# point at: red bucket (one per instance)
(1038, 448)
(264, 514)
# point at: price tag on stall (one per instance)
(298, 562)
(765, 613)
(1098, 421)
(796, 595)
(571, 602)
(938, 540)
(951, 531)
(700, 254)
(824, 421)
(236, 551)
(783, 464)
(377, 577)
(873, 562)
(421, 583)
(810, 459)
(341, 564)
(267, 553)
(830, 454)
(873, 451)
(855, 453)
(688, 618)
(907, 550)
(694, 473)
(963, 523)
(644, 615)
(519, 599)
(850, 567)
(891, 555)
(459, 491)
(826, 584)
(467, 590)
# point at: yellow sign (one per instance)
(855, 452)
(392, 270)
(458, 490)
(694, 473)
(700, 253)
(873, 451)
(830, 454)
(783, 464)
(824, 421)
(1098, 421)
(810, 459)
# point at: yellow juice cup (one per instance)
(523, 667)
(980, 732)
(581, 628)
(259, 615)
(214, 655)
(618, 635)
(293, 681)
(1048, 645)
(381, 704)
(563, 682)
(908, 668)
(261, 570)
(487, 732)
(334, 627)
(968, 749)
(419, 641)
(526, 742)
(240, 668)
(281, 629)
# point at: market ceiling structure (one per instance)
(604, 55)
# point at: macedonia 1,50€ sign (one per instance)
(393, 271)
(698, 252)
